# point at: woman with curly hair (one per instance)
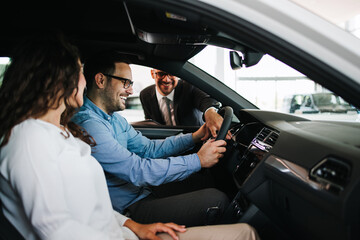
(50, 185)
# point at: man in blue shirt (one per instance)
(133, 163)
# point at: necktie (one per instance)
(167, 114)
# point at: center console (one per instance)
(251, 142)
(254, 153)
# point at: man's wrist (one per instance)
(210, 110)
(215, 107)
(195, 137)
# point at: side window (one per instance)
(307, 101)
(296, 102)
(298, 99)
(334, 100)
(142, 78)
(272, 85)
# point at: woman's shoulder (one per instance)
(34, 130)
(29, 140)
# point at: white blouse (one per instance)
(52, 188)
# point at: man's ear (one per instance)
(152, 71)
(100, 80)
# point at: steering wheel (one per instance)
(226, 113)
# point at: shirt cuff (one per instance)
(211, 108)
(189, 140)
(203, 116)
(195, 164)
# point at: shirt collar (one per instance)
(159, 96)
(90, 105)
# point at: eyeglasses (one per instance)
(164, 74)
(127, 82)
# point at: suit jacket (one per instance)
(189, 104)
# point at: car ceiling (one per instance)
(137, 27)
(108, 25)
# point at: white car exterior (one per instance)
(303, 29)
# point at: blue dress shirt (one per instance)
(131, 161)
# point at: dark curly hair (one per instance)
(43, 70)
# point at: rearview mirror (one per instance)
(236, 61)
(250, 58)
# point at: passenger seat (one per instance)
(7, 230)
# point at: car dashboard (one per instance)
(301, 174)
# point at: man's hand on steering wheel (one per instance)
(203, 133)
(212, 150)
(214, 122)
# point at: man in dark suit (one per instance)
(172, 101)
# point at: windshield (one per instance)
(273, 85)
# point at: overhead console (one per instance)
(160, 38)
(170, 29)
(151, 23)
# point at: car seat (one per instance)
(7, 230)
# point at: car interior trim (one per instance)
(294, 171)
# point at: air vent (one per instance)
(265, 139)
(271, 139)
(333, 172)
(267, 136)
(263, 134)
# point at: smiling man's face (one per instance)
(165, 83)
(115, 94)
